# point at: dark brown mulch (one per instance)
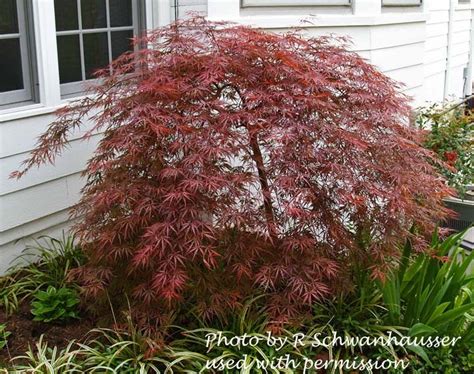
(26, 332)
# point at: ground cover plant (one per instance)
(45, 263)
(235, 161)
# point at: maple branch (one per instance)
(257, 157)
(262, 176)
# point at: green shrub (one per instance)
(451, 137)
(55, 304)
(48, 262)
(4, 334)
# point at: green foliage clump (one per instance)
(55, 304)
(356, 315)
(198, 352)
(433, 292)
(46, 263)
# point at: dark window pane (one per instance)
(65, 12)
(69, 56)
(8, 17)
(121, 13)
(93, 14)
(121, 42)
(10, 65)
(96, 52)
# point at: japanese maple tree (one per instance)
(236, 161)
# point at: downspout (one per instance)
(468, 76)
(447, 75)
(176, 10)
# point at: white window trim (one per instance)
(289, 3)
(14, 98)
(402, 2)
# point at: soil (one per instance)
(26, 332)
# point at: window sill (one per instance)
(32, 110)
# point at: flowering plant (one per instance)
(451, 136)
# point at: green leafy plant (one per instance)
(44, 264)
(55, 304)
(451, 137)
(4, 334)
(432, 292)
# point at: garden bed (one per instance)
(25, 332)
(370, 311)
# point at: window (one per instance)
(401, 2)
(90, 34)
(257, 3)
(16, 83)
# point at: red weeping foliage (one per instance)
(235, 161)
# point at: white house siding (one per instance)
(436, 49)
(409, 44)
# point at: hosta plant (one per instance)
(55, 304)
(235, 160)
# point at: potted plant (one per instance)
(450, 134)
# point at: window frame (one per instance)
(25, 35)
(293, 3)
(73, 89)
(398, 3)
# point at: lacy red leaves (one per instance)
(235, 161)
